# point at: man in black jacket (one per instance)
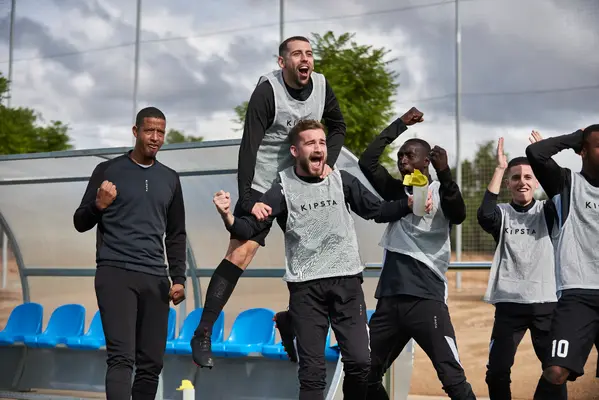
(412, 289)
(134, 200)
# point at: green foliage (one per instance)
(20, 131)
(362, 82)
(176, 136)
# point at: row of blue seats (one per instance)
(253, 331)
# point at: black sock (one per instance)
(547, 390)
(220, 288)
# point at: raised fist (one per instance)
(222, 201)
(106, 195)
(438, 157)
(412, 117)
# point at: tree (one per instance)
(176, 136)
(363, 85)
(20, 131)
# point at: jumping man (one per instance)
(281, 98)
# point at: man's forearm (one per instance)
(495, 184)
(228, 219)
(549, 174)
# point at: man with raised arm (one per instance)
(522, 278)
(281, 98)
(324, 270)
(575, 323)
(412, 289)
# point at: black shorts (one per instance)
(574, 330)
(260, 238)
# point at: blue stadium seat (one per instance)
(276, 351)
(369, 314)
(181, 344)
(172, 324)
(251, 330)
(332, 352)
(93, 339)
(25, 319)
(66, 321)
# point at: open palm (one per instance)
(501, 158)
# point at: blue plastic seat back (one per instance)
(190, 324)
(193, 320)
(67, 320)
(172, 323)
(253, 326)
(25, 319)
(369, 314)
(95, 328)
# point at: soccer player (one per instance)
(522, 278)
(135, 200)
(324, 270)
(575, 324)
(412, 289)
(281, 98)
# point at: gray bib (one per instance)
(425, 238)
(273, 154)
(577, 247)
(523, 269)
(320, 238)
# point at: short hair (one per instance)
(514, 162)
(422, 143)
(301, 126)
(283, 46)
(148, 112)
(586, 132)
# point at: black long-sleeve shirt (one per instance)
(360, 200)
(403, 274)
(260, 116)
(556, 180)
(130, 232)
(489, 214)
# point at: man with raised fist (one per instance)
(135, 200)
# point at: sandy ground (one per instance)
(472, 320)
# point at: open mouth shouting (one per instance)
(303, 72)
(316, 161)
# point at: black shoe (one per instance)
(283, 323)
(201, 350)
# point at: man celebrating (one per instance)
(324, 271)
(281, 98)
(575, 323)
(135, 200)
(522, 278)
(412, 289)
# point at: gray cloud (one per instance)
(502, 59)
(30, 35)
(527, 56)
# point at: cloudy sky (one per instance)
(526, 63)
